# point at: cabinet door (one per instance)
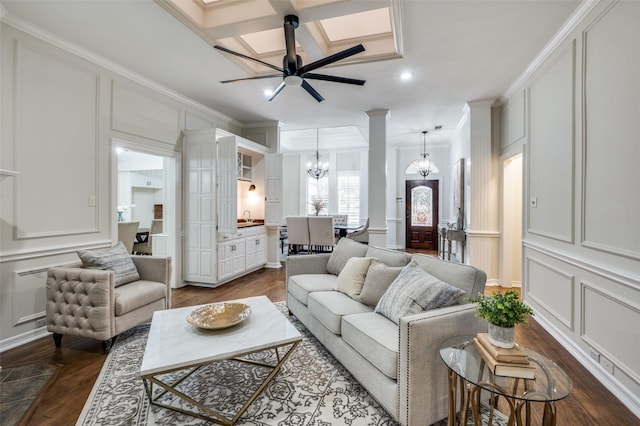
(273, 190)
(225, 260)
(200, 207)
(250, 250)
(261, 249)
(238, 255)
(227, 185)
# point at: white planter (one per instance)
(502, 337)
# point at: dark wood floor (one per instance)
(81, 360)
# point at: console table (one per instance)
(468, 377)
(449, 235)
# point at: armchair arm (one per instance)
(307, 264)
(422, 375)
(80, 301)
(155, 268)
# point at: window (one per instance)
(317, 190)
(349, 196)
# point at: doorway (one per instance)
(146, 193)
(421, 214)
(511, 244)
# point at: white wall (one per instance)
(66, 160)
(576, 118)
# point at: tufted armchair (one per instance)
(87, 302)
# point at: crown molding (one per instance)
(57, 41)
(570, 24)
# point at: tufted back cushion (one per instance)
(79, 299)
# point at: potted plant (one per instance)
(318, 204)
(502, 312)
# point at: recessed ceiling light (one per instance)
(406, 76)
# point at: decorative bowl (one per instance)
(219, 315)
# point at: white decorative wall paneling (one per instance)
(513, 120)
(552, 288)
(611, 150)
(62, 96)
(550, 157)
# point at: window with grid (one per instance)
(317, 190)
(349, 196)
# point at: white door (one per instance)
(199, 149)
(227, 184)
(273, 193)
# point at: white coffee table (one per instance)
(174, 344)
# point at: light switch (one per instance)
(534, 202)
(92, 200)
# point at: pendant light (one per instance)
(317, 170)
(424, 162)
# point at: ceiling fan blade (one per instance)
(334, 78)
(278, 90)
(240, 55)
(331, 59)
(258, 77)
(306, 86)
(290, 24)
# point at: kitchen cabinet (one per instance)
(241, 252)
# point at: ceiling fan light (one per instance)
(293, 80)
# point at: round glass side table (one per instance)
(469, 376)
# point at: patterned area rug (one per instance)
(311, 389)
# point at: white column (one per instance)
(378, 177)
(483, 232)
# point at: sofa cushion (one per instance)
(388, 257)
(134, 295)
(351, 279)
(343, 251)
(375, 338)
(470, 279)
(300, 286)
(416, 291)
(328, 307)
(115, 259)
(379, 278)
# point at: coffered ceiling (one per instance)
(455, 51)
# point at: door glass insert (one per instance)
(421, 206)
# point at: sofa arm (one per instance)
(422, 375)
(155, 268)
(80, 300)
(307, 264)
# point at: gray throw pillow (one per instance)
(115, 259)
(343, 251)
(416, 291)
(389, 257)
(379, 278)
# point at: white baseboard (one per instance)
(273, 265)
(631, 401)
(24, 338)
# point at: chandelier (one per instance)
(424, 163)
(319, 169)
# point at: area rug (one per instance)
(21, 387)
(311, 389)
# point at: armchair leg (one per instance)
(106, 346)
(57, 339)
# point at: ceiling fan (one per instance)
(293, 73)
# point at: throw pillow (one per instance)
(389, 257)
(115, 259)
(343, 251)
(416, 291)
(351, 279)
(379, 278)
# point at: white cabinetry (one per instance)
(242, 252)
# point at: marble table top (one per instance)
(173, 343)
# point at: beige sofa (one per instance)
(399, 364)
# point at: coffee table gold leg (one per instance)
(549, 416)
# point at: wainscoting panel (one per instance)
(611, 326)
(551, 150)
(137, 114)
(513, 120)
(552, 288)
(29, 296)
(611, 114)
(56, 115)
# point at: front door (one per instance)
(421, 215)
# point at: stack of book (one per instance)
(504, 362)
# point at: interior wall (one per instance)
(61, 200)
(576, 118)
